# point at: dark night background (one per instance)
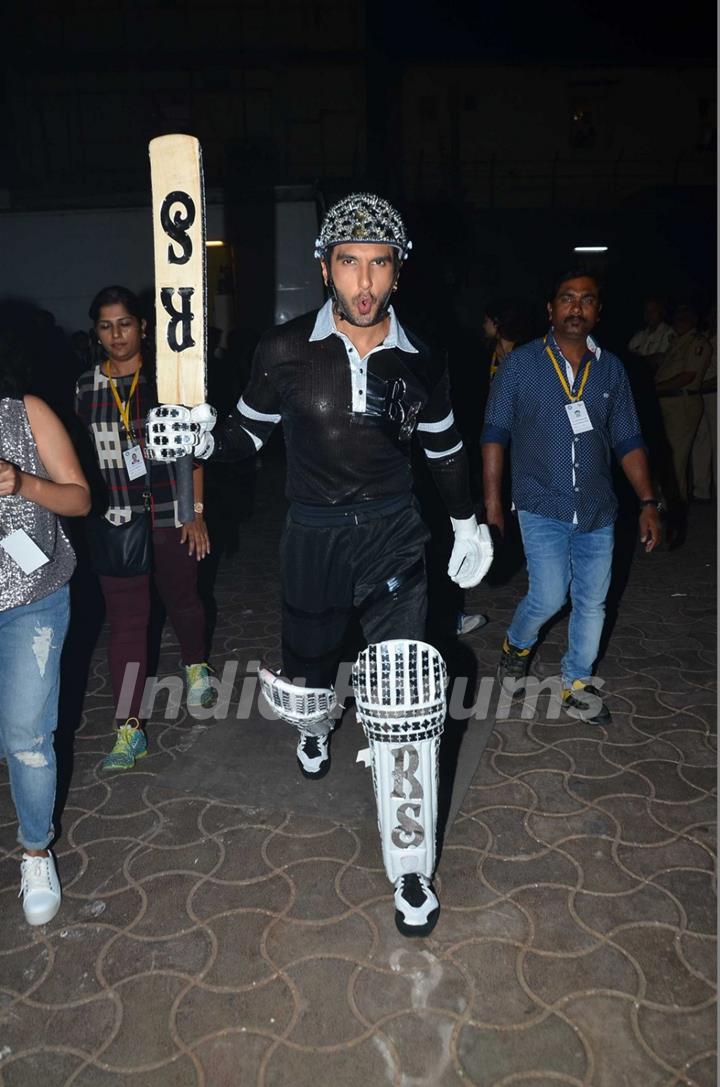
(506, 133)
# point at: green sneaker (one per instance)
(130, 745)
(200, 692)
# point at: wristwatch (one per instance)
(650, 502)
(198, 507)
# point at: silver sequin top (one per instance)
(17, 445)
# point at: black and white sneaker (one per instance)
(585, 703)
(513, 664)
(416, 905)
(313, 754)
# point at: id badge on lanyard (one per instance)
(578, 416)
(576, 410)
(134, 462)
(133, 455)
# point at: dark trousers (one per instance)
(127, 604)
(331, 570)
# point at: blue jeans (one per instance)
(31, 641)
(561, 558)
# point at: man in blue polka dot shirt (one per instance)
(564, 407)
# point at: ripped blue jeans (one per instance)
(31, 641)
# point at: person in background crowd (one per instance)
(678, 381)
(112, 400)
(80, 344)
(704, 452)
(507, 323)
(40, 481)
(653, 340)
(563, 404)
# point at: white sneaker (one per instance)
(40, 888)
(313, 754)
(416, 905)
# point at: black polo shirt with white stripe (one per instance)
(345, 418)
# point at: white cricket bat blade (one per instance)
(178, 206)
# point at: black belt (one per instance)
(680, 392)
(394, 584)
(359, 513)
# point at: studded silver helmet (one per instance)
(363, 217)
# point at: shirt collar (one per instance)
(325, 326)
(592, 345)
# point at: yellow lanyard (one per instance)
(124, 409)
(494, 362)
(563, 380)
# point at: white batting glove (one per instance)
(472, 553)
(173, 431)
(206, 417)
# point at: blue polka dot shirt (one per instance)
(556, 473)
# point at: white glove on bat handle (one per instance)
(206, 417)
(173, 431)
(472, 553)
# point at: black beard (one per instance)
(343, 309)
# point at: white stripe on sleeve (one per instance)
(445, 453)
(435, 428)
(258, 416)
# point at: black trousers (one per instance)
(375, 567)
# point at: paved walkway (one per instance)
(206, 943)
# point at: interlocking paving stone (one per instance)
(508, 1002)
(203, 942)
(623, 1057)
(422, 1045)
(371, 1061)
(486, 1056)
(603, 913)
(41, 1066)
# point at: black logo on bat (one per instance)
(177, 225)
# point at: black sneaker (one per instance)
(313, 754)
(514, 662)
(416, 905)
(584, 702)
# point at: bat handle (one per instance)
(184, 485)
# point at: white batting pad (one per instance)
(400, 703)
(405, 778)
(400, 690)
(303, 707)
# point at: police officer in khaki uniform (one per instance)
(678, 381)
(704, 452)
(652, 341)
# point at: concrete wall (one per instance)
(557, 136)
(60, 259)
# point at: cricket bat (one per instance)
(178, 209)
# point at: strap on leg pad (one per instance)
(400, 700)
(307, 708)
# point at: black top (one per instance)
(337, 455)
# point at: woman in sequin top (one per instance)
(40, 480)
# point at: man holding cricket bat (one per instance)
(351, 386)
